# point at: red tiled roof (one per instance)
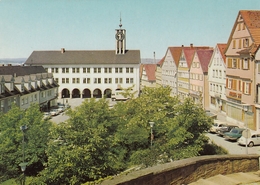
(189, 53)
(252, 22)
(150, 71)
(161, 62)
(176, 51)
(204, 58)
(222, 48)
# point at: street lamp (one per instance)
(23, 164)
(151, 125)
(245, 108)
(63, 98)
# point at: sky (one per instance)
(151, 25)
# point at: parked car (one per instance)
(54, 112)
(234, 134)
(226, 128)
(249, 138)
(46, 115)
(61, 108)
(217, 124)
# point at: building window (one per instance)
(246, 43)
(119, 80)
(75, 70)
(247, 89)
(75, 80)
(65, 70)
(55, 70)
(129, 70)
(86, 80)
(65, 80)
(129, 80)
(245, 63)
(22, 87)
(97, 70)
(97, 80)
(108, 70)
(86, 70)
(229, 83)
(119, 70)
(108, 80)
(234, 63)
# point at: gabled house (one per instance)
(170, 68)
(148, 78)
(217, 79)
(184, 72)
(199, 88)
(158, 73)
(240, 73)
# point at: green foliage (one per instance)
(11, 141)
(97, 141)
(82, 149)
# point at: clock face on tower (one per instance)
(120, 36)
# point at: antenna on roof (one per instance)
(120, 25)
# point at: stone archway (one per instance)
(86, 93)
(65, 93)
(97, 93)
(107, 93)
(75, 93)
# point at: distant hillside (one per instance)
(13, 61)
(149, 61)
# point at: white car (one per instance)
(46, 115)
(250, 139)
(217, 124)
(54, 112)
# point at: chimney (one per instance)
(62, 50)
(191, 45)
(182, 46)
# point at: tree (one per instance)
(11, 137)
(82, 148)
(186, 131)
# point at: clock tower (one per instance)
(120, 40)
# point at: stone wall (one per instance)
(188, 170)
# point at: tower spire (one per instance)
(120, 25)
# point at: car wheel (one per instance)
(251, 144)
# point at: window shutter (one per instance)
(248, 62)
(234, 84)
(239, 85)
(229, 63)
(226, 82)
(249, 89)
(243, 87)
(238, 63)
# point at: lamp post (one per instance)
(245, 108)
(23, 164)
(151, 125)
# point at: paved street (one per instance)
(231, 146)
(73, 103)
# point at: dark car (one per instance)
(226, 128)
(234, 134)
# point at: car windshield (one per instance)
(234, 131)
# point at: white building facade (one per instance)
(87, 73)
(217, 79)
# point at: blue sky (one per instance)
(151, 25)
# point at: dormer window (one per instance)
(29, 86)
(11, 86)
(22, 87)
(246, 43)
